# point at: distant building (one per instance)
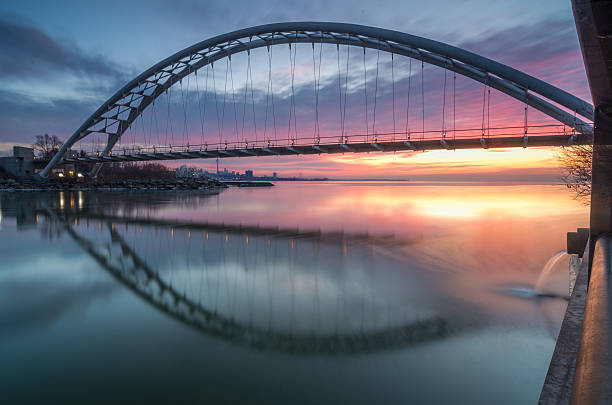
(21, 164)
(248, 174)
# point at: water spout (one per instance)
(547, 270)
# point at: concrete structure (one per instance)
(576, 241)
(21, 164)
(593, 376)
(557, 389)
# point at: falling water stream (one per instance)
(547, 270)
(537, 290)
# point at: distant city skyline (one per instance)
(227, 174)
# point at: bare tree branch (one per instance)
(576, 161)
(47, 146)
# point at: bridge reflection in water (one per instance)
(287, 290)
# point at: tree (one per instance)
(125, 171)
(47, 146)
(576, 161)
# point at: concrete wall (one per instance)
(20, 164)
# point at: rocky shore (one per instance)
(109, 185)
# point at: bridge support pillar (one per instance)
(601, 186)
(594, 28)
(593, 365)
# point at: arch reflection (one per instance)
(269, 288)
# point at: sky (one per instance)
(60, 60)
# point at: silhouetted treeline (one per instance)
(126, 171)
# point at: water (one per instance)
(547, 270)
(538, 291)
(303, 293)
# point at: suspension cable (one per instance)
(195, 72)
(454, 105)
(223, 105)
(408, 99)
(375, 96)
(292, 94)
(144, 129)
(346, 75)
(316, 94)
(444, 107)
(183, 100)
(212, 70)
(151, 127)
(272, 94)
(203, 111)
(267, 93)
(129, 133)
(187, 106)
(319, 88)
(423, 99)
(393, 93)
(526, 122)
(253, 100)
(169, 120)
(340, 94)
(292, 104)
(154, 111)
(293, 90)
(246, 90)
(489, 112)
(149, 138)
(234, 99)
(484, 103)
(365, 92)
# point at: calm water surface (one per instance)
(302, 293)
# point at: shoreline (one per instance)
(9, 185)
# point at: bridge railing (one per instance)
(372, 138)
(593, 376)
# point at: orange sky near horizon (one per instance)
(530, 165)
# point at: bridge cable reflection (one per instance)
(132, 271)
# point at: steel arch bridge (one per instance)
(120, 111)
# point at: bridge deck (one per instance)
(330, 148)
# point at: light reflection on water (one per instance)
(368, 292)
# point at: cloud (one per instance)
(47, 301)
(27, 52)
(548, 50)
(22, 117)
(48, 85)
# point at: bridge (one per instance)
(171, 95)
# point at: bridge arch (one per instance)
(116, 115)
